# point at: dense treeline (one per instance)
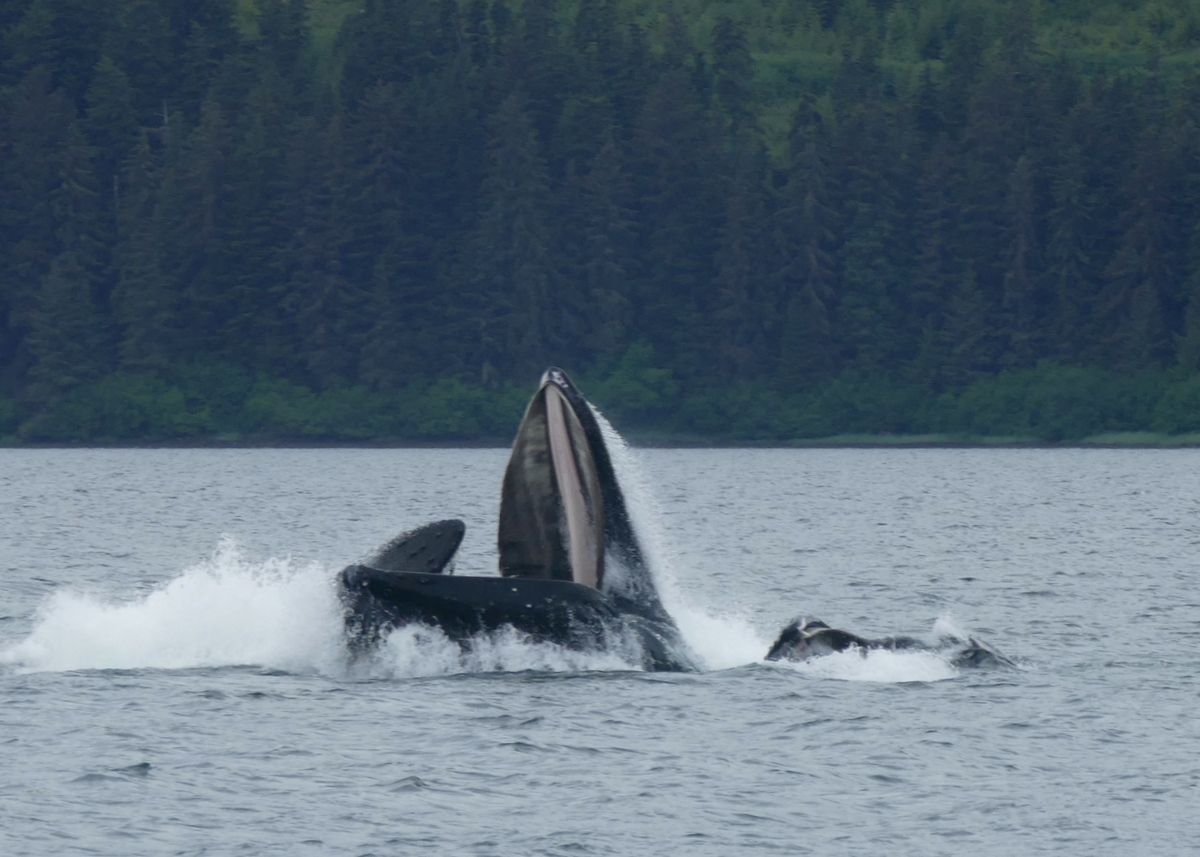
(786, 218)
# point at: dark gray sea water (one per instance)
(173, 679)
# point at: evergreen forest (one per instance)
(732, 220)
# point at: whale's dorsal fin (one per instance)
(428, 549)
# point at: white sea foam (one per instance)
(227, 610)
(418, 651)
(877, 665)
(945, 626)
(230, 611)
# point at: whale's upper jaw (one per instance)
(557, 377)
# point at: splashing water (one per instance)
(720, 641)
(232, 611)
(224, 611)
(726, 640)
(876, 665)
(419, 651)
(281, 614)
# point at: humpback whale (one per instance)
(807, 638)
(572, 570)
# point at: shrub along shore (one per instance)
(1048, 404)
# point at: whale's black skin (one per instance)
(809, 638)
(571, 569)
(568, 614)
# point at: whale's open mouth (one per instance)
(563, 515)
(553, 503)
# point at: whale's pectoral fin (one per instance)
(979, 654)
(804, 638)
(428, 549)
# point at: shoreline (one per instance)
(650, 440)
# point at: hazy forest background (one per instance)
(732, 219)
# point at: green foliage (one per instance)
(743, 411)
(449, 408)
(1052, 402)
(216, 400)
(637, 391)
(282, 409)
(1178, 411)
(119, 407)
(8, 416)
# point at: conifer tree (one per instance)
(38, 125)
(733, 71)
(538, 65)
(1071, 254)
(598, 240)
(674, 163)
(937, 265)
(971, 332)
(598, 45)
(874, 256)
(387, 290)
(67, 331)
(61, 36)
(111, 125)
(284, 32)
(193, 215)
(805, 234)
(1021, 291)
(68, 337)
(145, 307)
(139, 42)
(518, 297)
(743, 268)
(1136, 300)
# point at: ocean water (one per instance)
(173, 678)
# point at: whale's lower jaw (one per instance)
(567, 614)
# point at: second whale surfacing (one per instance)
(806, 638)
(572, 571)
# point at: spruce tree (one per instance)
(805, 230)
(1022, 296)
(111, 125)
(144, 305)
(68, 339)
(38, 125)
(518, 300)
(937, 266)
(1137, 297)
(733, 71)
(743, 308)
(598, 242)
(674, 162)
